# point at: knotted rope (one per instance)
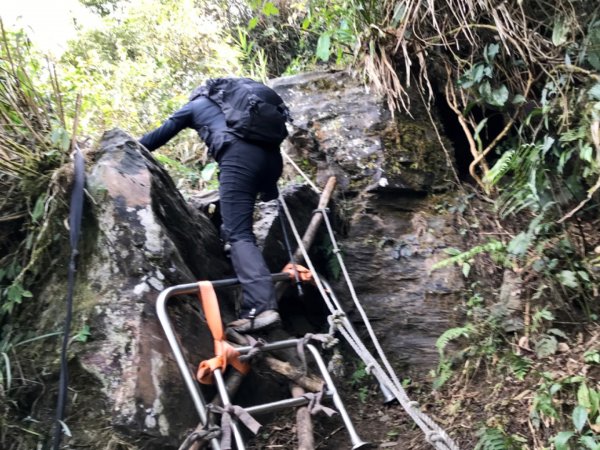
(226, 418)
(326, 339)
(202, 436)
(433, 432)
(314, 403)
(256, 346)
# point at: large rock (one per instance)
(301, 201)
(340, 128)
(390, 251)
(385, 167)
(139, 237)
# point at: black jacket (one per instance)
(201, 114)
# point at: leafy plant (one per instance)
(181, 172)
(584, 416)
(443, 373)
(141, 65)
(497, 439)
(34, 143)
(518, 365)
(445, 366)
(494, 248)
(253, 57)
(545, 346)
(9, 342)
(336, 23)
(82, 335)
(359, 376)
(585, 420)
(451, 335)
(544, 409)
(358, 380)
(592, 357)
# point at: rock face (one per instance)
(387, 170)
(301, 200)
(390, 250)
(342, 129)
(139, 237)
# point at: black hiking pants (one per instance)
(245, 170)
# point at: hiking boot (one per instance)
(265, 320)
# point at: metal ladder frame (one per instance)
(192, 386)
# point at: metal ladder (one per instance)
(193, 388)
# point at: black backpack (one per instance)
(254, 112)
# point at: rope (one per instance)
(302, 174)
(433, 433)
(336, 364)
(314, 403)
(256, 345)
(327, 340)
(226, 425)
(203, 437)
(288, 247)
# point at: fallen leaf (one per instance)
(563, 347)
(524, 342)
(522, 395)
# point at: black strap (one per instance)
(75, 213)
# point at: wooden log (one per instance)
(292, 372)
(304, 426)
(310, 233)
(315, 221)
(311, 383)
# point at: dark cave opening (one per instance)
(454, 132)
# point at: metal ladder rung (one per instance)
(281, 404)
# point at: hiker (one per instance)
(242, 122)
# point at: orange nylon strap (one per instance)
(225, 353)
(303, 273)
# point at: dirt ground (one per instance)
(382, 426)
(484, 397)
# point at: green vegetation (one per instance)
(142, 65)
(522, 81)
(35, 142)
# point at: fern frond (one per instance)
(492, 247)
(502, 166)
(492, 439)
(443, 373)
(519, 365)
(451, 335)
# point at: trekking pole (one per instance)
(289, 249)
